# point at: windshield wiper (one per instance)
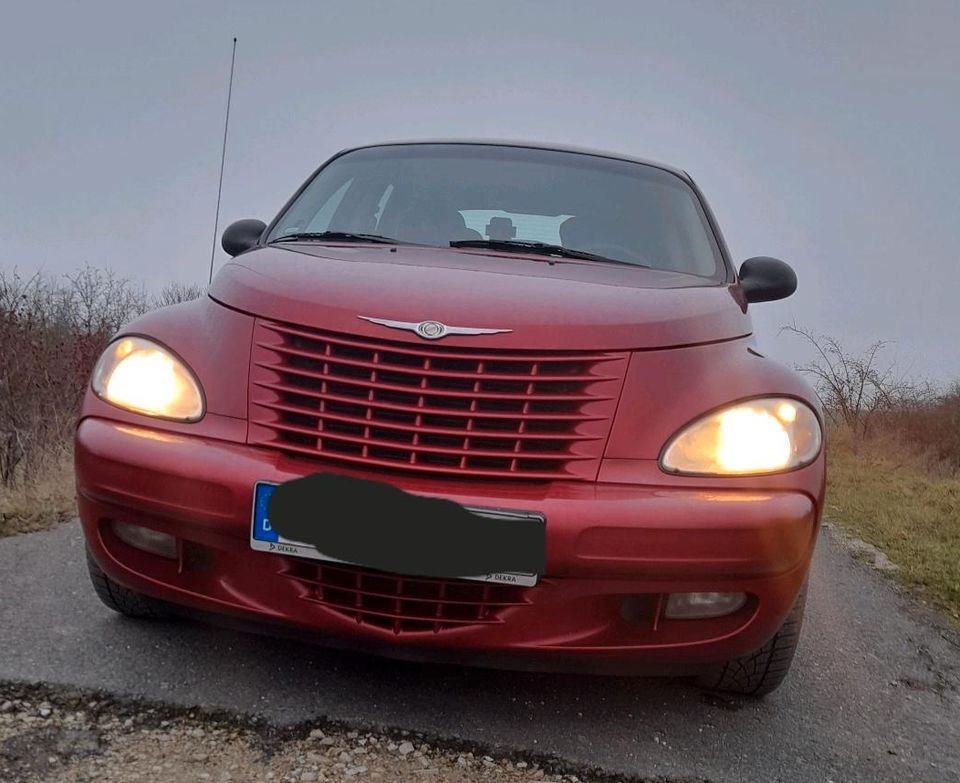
(336, 236)
(539, 248)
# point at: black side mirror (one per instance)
(242, 235)
(764, 279)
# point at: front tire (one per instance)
(122, 599)
(765, 670)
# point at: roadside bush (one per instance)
(857, 389)
(51, 332)
(867, 400)
(175, 293)
(931, 425)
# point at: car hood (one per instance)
(561, 305)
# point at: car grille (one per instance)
(402, 604)
(431, 408)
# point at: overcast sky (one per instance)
(826, 135)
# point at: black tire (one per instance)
(763, 671)
(122, 599)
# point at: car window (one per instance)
(321, 220)
(434, 194)
(532, 228)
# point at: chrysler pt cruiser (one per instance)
(483, 402)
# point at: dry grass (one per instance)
(899, 497)
(44, 498)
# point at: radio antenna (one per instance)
(223, 157)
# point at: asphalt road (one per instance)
(874, 695)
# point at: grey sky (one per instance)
(824, 135)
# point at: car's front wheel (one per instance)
(122, 599)
(763, 671)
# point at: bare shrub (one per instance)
(871, 405)
(51, 332)
(932, 425)
(175, 293)
(856, 388)
(97, 302)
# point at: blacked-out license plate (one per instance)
(264, 538)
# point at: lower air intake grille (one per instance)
(403, 604)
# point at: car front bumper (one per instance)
(614, 552)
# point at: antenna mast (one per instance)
(223, 157)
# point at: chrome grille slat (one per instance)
(432, 408)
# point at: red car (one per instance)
(484, 402)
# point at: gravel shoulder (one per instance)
(874, 694)
(76, 737)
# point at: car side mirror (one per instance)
(764, 279)
(242, 235)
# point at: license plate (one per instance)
(264, 538)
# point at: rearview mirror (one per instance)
(764, 279)
(242, 235)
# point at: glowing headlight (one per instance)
(756, 436)
(141, 376)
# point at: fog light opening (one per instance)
(640, 609)
(146, 539)
(688, 606)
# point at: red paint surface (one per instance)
(620, 528)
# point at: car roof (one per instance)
(528, 145)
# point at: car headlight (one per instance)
(138, 374)
(767, 435)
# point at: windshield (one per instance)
(438, 194)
